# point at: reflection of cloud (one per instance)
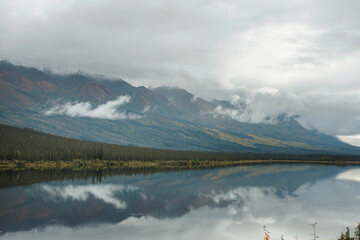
(241, 198)
(244, 193)
(105, 193)
(352, 175)
(107, 110)
(289, 214)
(239, 214)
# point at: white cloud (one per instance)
(107, 110)
(259, 105)
(350, 139)
(203, 45)
(268, 90)
(105, 192)
(193, 99)
(273, 54)
(334, 115)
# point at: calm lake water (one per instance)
(226, 203)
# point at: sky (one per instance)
(299, 57)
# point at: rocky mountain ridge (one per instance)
(98, 109)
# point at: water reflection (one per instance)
(104, 192)
(231, 203)
(352, 175)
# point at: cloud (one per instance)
(350, 139)
(106, 193)
(335, 115)
(107, 110)
(207, 47)
(259, 105)
(213, 44)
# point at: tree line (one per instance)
(30, 145)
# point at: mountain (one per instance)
(97, 108)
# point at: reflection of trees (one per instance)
(9, 178)
(32, 206)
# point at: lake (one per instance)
(224, 203)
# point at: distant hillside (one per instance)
(29, 145)
(111, 110)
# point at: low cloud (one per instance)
(258, 105)
(350, 139)
(108, 110)
(333, 115)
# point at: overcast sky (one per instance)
(299, 56)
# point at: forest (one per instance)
(24, 144)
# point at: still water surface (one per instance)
(226, 203)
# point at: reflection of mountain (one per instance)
(160, 195)
(170, 117)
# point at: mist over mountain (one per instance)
(96, 108)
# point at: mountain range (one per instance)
(97, 108)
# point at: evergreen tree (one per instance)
(357, 232)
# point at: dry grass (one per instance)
(102, 164)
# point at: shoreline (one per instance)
(157, 164)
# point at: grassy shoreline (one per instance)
(160, 164)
